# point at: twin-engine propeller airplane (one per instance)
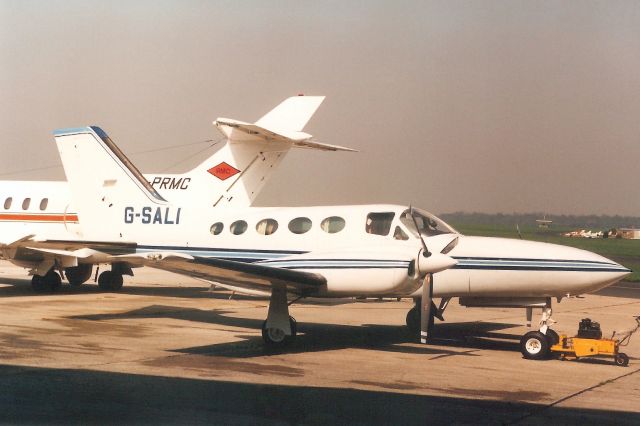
(364, 251)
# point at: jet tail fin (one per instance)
(102, 180)
(292, 114)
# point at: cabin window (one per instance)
(7, 203)
(379, 223)
(216, 228)
(267, 226)
(44, 203)
(300, 225)
(238, 227)
(399, 234)
(25, 203)
(332, 224)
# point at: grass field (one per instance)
(625, 252)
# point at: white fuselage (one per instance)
(356, 260)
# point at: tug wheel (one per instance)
(621, 359)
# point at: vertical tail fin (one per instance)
(102, 180)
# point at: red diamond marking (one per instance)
(223, 171)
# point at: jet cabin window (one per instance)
(238, 227)
(7, 203)
(267, 226)
(44, 203)
(379, 223)
(300, 225)
(332, 224)
(25, 203)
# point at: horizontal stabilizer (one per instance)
(8, 240)
(236, 130)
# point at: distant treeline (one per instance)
(529, 219)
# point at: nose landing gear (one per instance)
(537, 344)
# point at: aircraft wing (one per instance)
(241, 275)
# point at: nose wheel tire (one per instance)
(535, 345)
(110, 281)
(621, 359)
(276, 337)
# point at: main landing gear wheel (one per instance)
(78, 275)
(110, 281)
(621, 359)
(49, 282)
(535, 345)
(276, 337)
(413, 321)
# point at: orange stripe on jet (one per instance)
(15, 217)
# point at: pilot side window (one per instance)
(332, 224)
(300, 225)
(238, 227)
(379, 223)
(267, 226)
(216, 228)
(25, 203)
(7, 203)
(44, 203)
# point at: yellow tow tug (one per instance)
(588, 343)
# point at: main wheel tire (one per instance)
(276, 337)
(52, 281)
(413, 321)
(104, 280)
(552, 337)
(110, 281)
(621, 359)
(38, 284)
(534, 345)
(78, 275)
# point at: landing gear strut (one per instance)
(50, 282)
(279, 329)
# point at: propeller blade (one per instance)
(426, 303)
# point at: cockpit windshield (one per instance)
(428, 224)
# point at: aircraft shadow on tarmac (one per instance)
(98, 397)
(316, 337)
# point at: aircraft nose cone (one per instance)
(509, 267)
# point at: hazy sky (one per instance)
(489, 106)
